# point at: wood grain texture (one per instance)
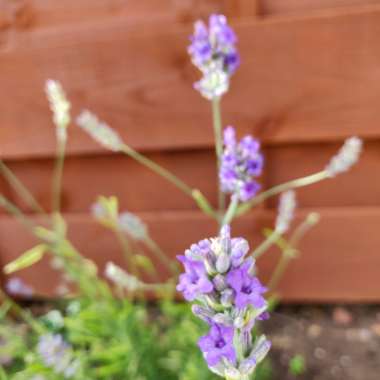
(331, 268)
(139, 80)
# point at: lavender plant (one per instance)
(220, 277)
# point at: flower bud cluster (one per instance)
(213, 51)
(99, 131)
(60, 107)
(229, 298)
(241, 162)
(286, 210)
(347, 156)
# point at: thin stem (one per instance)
(266, 244)
(231, 211)
(16, 212)
(299, 182)
(127, 252)
(20, 188)
(155, 248)
(57, 176)
(217, 124)
(199, 198)
(290, 252)
(158, 169)
(25, 316)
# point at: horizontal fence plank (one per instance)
(339, 261)
(275, 7)
(141, 190)
(38, 14)
(320, 85)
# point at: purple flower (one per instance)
(248, 289)
(241, 162)
(194, 282)
(213, 51)
(56, 354)
(218, 344)
(16, 287)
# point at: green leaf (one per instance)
(27, 259)
(297, 365)
(145, 263)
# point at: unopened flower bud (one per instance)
(223, 262)
(219, 282)
(223, 319)
(347, 156)
(285, 211)
(227, 297)
(60, 107)
(202, 312)
(99, 131)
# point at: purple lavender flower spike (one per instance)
(213, 51)
(248, 289)
(220, 277)
(241, 163)
(194, 282)
(218, 344)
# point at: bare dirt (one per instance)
(337, 342)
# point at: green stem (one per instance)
(127, 252)
(157, 169)
(290, 252)
(266, 244)
(299, 182)
(25, 316)
(217, 124)
(199, 198)
(231, 211)
(19, 187)
(57, 176)
(16, 212)
(154, 247)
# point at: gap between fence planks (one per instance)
(141, 190)
(300, 81)
(339, 262)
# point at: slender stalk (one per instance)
(155, 248)
(290, 252)
(231, 211)
(16, 212)
(20, 188)
(266, 244)
(157, 169)
(57, 176)
(127, 252)
(217, 124)
(299, 182)
(201, 201)
(25, 316)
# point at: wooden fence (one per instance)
(310, 76)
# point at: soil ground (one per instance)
(337, 342)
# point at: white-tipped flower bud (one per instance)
(285, 211)
(121, 278)
(202, 312)
(99, 131)
(132, 225)
(219, 282)
(223, 262)
(60, 107)
(347, 156)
